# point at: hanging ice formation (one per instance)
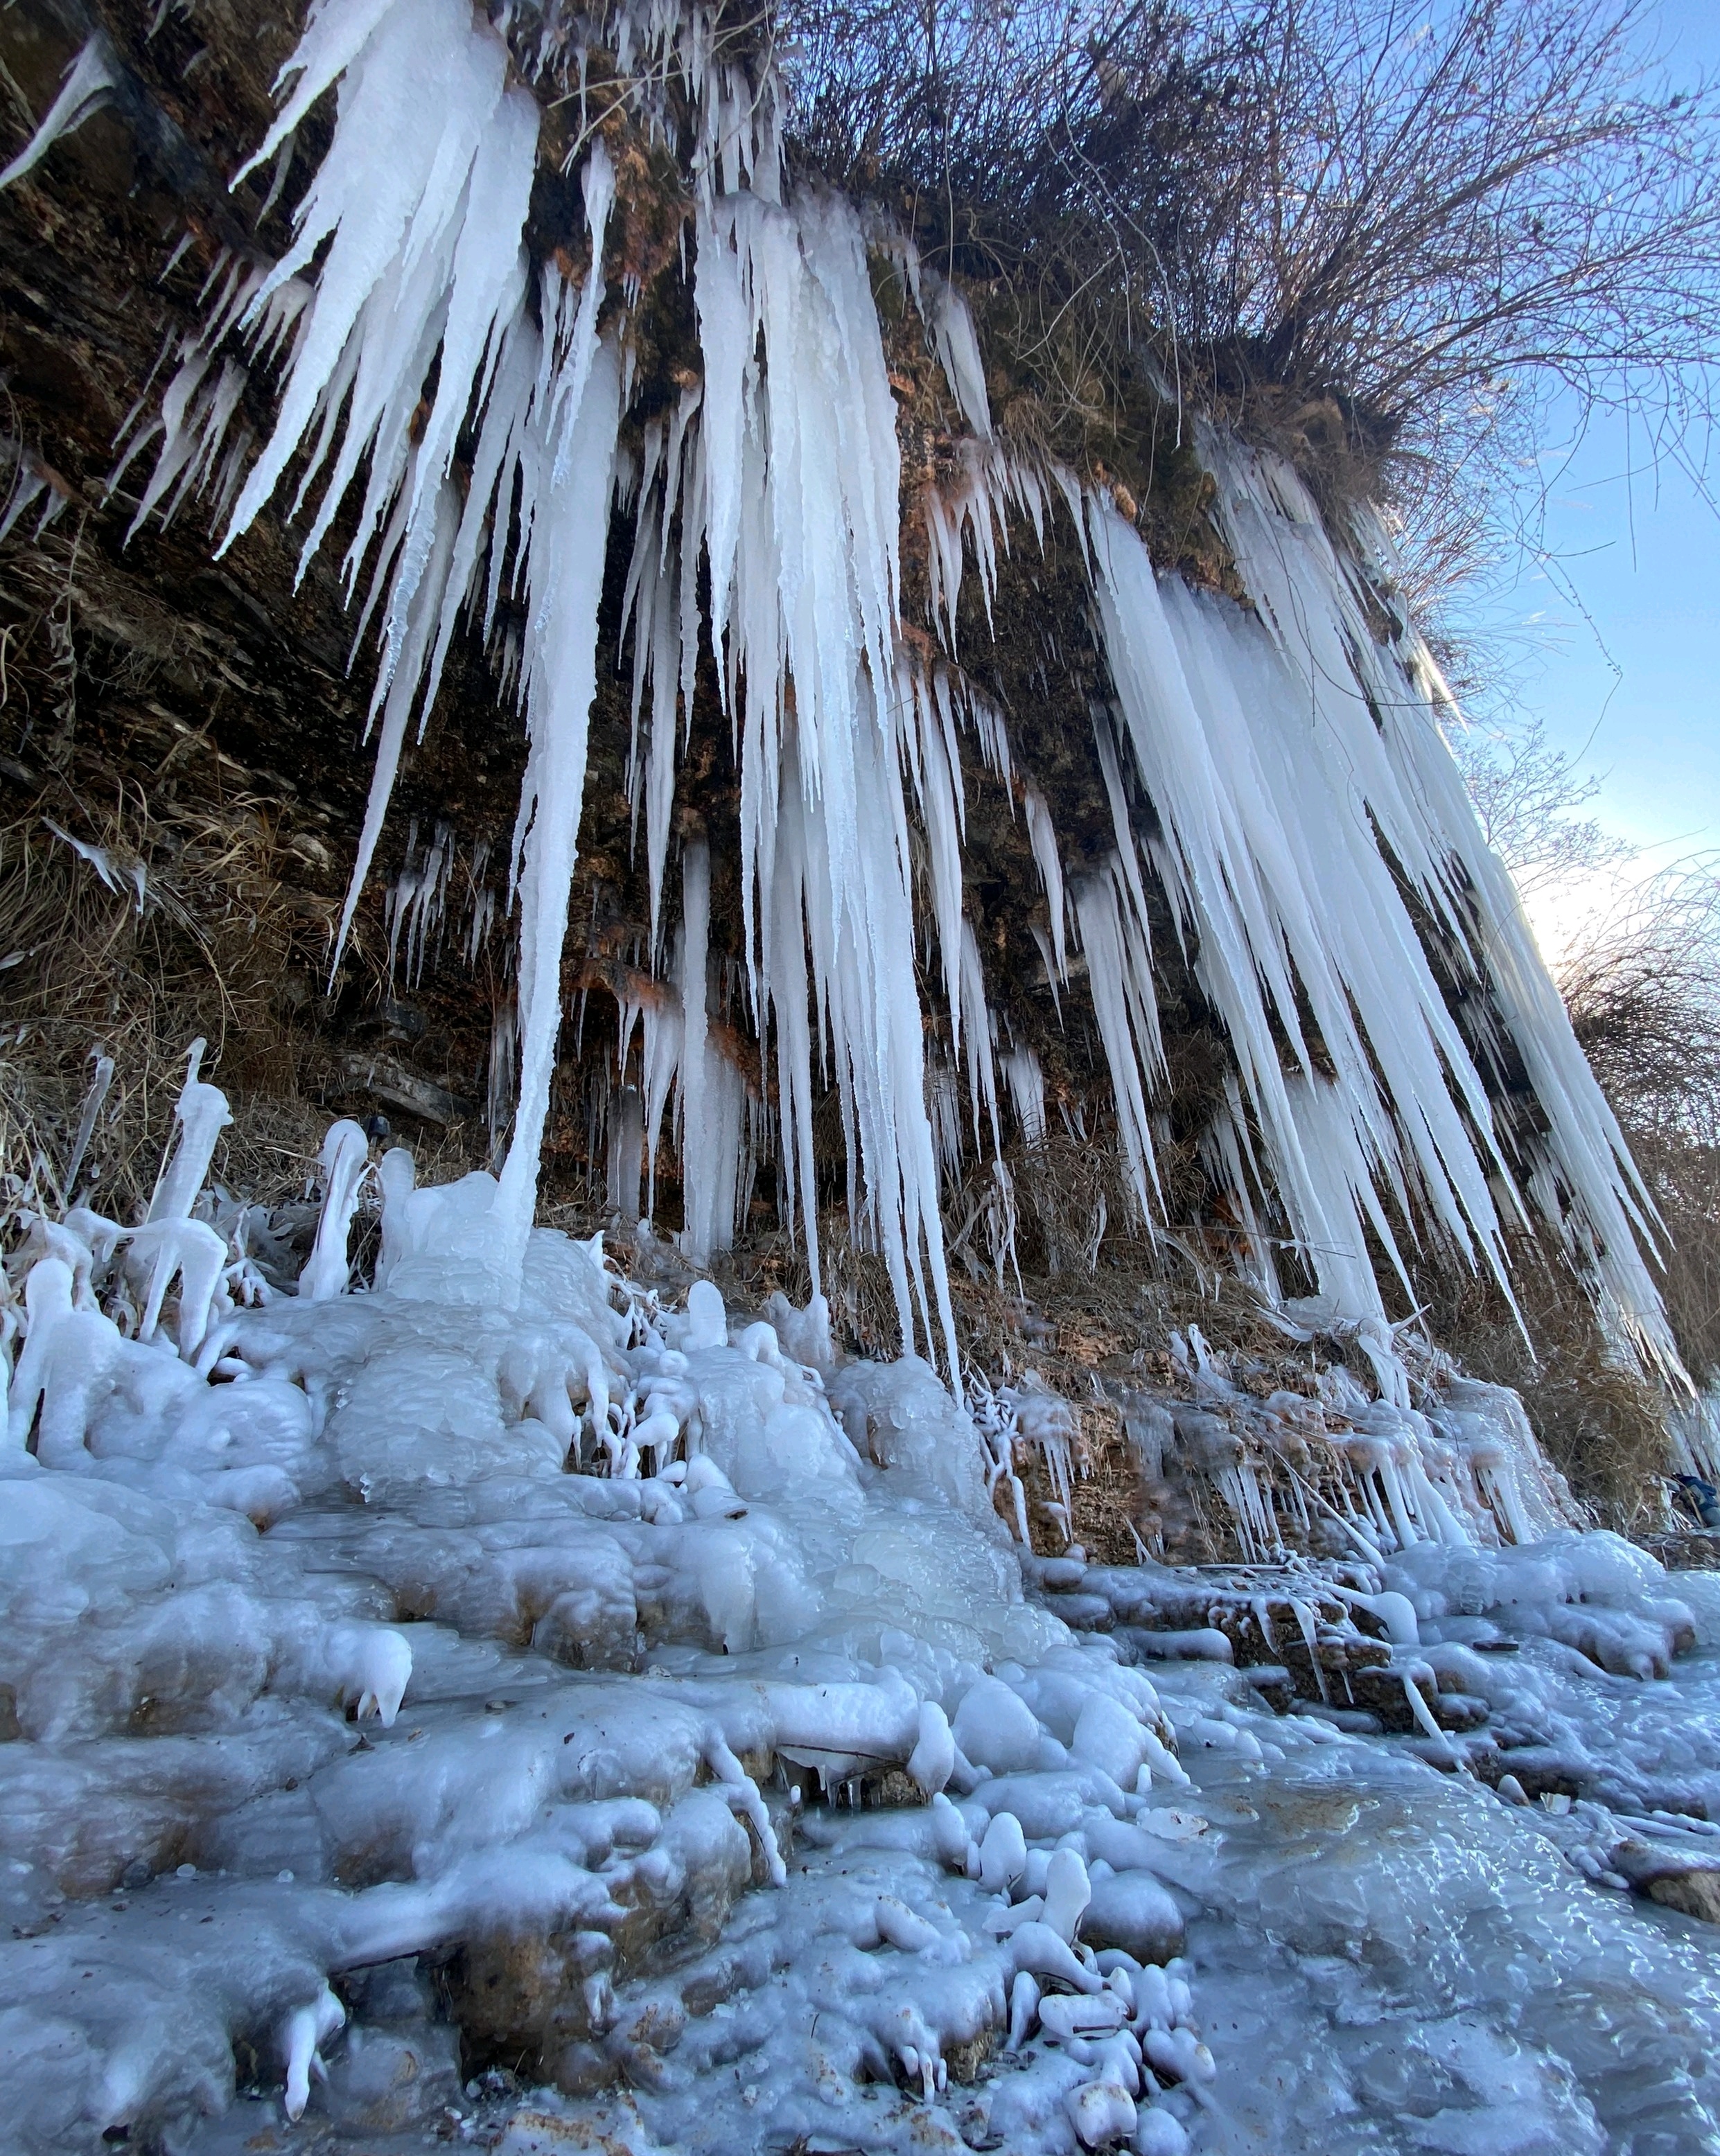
(1302, 800)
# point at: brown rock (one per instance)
(1675, 1878)
(1695, 1893)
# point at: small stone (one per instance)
(1132, 1911)
(1692, 1893)
(389, 2081)
(584, 2069)
(392, 1992)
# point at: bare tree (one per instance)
(1526, 793)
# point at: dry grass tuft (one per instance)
(1603, 1425)
(133, 927)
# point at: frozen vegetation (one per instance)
(491, 1667)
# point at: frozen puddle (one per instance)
(588, 1724)
(1390, 1958)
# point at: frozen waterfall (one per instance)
(1306, 825)
(457, 1690)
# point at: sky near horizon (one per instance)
(1616, 631)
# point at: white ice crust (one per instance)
(366, 1627)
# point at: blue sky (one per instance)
(1634, 690)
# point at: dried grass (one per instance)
(135, 926)
(1601, 1423)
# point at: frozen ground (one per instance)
(414, 1699)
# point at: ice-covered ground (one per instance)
(416, 1702)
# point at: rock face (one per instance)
(1677, 1879)
(199, 721)
(1032, 797)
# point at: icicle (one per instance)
(396, 1175)
(958, 350)
(417, 901)
(627, 1140)
(405, 208)
(101, 1079)
(1128, 1027)
(396, 710)
(1271, 856)
(1026, 1080)
(28, 485)
(90, 84)
(994, 736)
(1042, 837)
(567, 584)
(1311, 1640)
(937, 772)
(1374, 705)
(712, 1092)
(789, 1001)
(976, 1015)
(802, 547)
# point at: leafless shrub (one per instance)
(1364, 229)
(1643, 989)
(1601, 1422)
(1526, 793)
(1644, 993)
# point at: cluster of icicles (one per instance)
(1293, 760)
(1461, 1467)
(1466, 1471)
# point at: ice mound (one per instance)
(356, 1631)
(416, 1690)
